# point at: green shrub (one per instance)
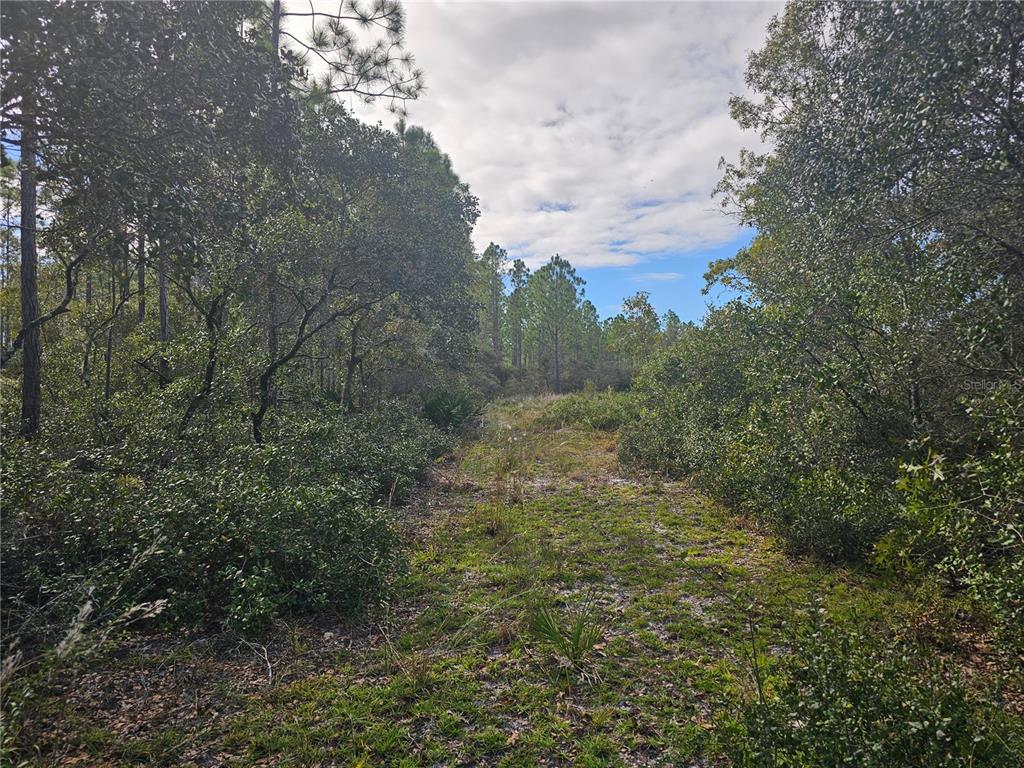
(845, 698)
(453, 410)
(606, 410)
(571, 639)
(789, 457)
(252, 549)
(688, 401)
(834, 513)
(787, 473)
(964, 517)
(383, 452)
(254, 532)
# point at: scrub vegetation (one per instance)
(556, 611)
(294, 474)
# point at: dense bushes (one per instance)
(862, 390)
(845, 699)
(453, 409)
(606, 410)
(964, 516)
(237, 538)
(710, 408)
(686, 398)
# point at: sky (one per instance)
(593, 130)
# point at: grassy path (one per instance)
(533, 524)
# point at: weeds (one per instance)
(496, 517)
(509, 466)
(572, 638)
(607, 410)
(848, 697)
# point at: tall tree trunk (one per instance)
(496, 316)
(126, 266)
(270, 390)
(5, 273)
(350, 372)
(558, 365)
(275, 28)
(214, 320)
(165, 320)
(109, 356)
(85, 361)
(914, 394)
(142, 275)
(273, 319)
(87, 358)
(31, 351)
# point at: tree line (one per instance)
(539, 332)
(225, 304)
(197, 213)
(864, 392)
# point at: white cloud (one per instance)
(592, 130)
(657, 276)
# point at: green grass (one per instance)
(594, 410)
(648, 586)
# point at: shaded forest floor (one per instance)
(527, 522)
